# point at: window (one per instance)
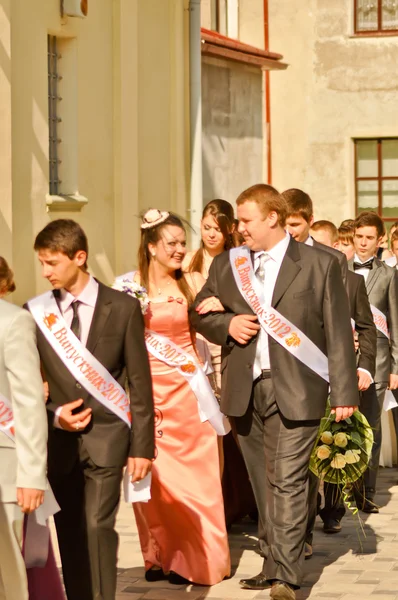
(375, 16)
(53, 114)
(376, 176)
(224, 17)
(62, 122)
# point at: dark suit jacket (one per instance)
(309, 292)
(364, 324)
(116, 339)
(341, 257)
(382, 290)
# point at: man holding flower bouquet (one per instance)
(286, 335)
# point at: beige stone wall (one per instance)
(336, 88)
(127, 96)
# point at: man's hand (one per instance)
(29, 499)
(364, 380)
(243, 327)
(46, 390)
(71, 422)
(211, 304)
(138, 468)
(343, 412)
(393, 385)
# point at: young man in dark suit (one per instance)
(275, 399)
(382, 288)
(88, 443)
(326, 233)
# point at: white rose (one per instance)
(327, 437)
(323, 452)
(341, 439)
(338, 462)
(352, 457)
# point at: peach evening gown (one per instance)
(182, 528)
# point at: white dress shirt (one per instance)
(271, 271)
(391, 262)
(365, 271)
(88, 299)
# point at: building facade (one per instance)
(335, 110)
(94, 120)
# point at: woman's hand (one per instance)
(46, 390)
(211, 304)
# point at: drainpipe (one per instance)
(267, 97)
(195, 88)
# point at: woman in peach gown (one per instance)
(219, 234)
(182, 528)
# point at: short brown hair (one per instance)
(298, 203)
(370, 219)
(347, 223)
(326, 226)
(346, 234)
(62, 235)
(7, 285)
(267, 198)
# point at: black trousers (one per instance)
(277, 453)
(89, 498)
(371, 406)
(334, 505)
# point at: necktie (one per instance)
(75, 325)
(260, 271)
(366, 265)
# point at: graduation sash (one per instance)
(271, 321)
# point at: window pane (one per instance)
(389, 153)
(367, 158)
(390, 198)
(366, 15)
(389, 14)
(368, 196)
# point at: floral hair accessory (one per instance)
(153, 217)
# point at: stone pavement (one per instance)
(345, 566)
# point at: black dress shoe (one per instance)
(155, 575)
(368, 506)
(331, 526)
(258, 582)
(282, 591)
(177, 579)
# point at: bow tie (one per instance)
(366, 265)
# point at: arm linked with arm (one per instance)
(213, 326)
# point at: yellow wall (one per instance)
(337, 87)
(132, 143)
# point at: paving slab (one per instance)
(345, 566)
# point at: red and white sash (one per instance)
(84, 367)
(6, 418)
(89, 372)
(380, 320)
(162, 348)
(272, 322)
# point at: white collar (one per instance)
(277, 253)
(309, 241)
(87, 296)
(361, 262)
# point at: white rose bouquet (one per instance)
(342, 450)
(133, 289)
